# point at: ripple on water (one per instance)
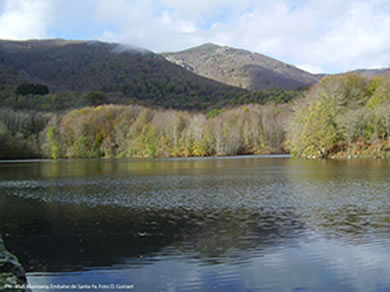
(256, 227)
(329, 205)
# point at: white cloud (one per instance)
(23, 19)
(333, 35)
(328, 36)
(356, 38)
(146, 24)
(310, 68)
(201, 10)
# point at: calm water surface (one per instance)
(230, 224)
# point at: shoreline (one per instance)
(22, 160)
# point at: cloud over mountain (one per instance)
(320, 36)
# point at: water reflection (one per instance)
(345, 199)
(104, 236)
(222, 224)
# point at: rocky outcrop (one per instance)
(12, 277)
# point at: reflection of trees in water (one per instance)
(55, 237)
(347, 200)
(352, 223)
(226, 233)
(344, 200)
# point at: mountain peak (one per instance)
(208, 46)
(203, 48)
(241, 68)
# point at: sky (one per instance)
(319, 36)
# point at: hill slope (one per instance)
(241, 68)
(124, 72)
(369, 73)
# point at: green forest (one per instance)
(346, 116)
(343, 116)
(136, 131)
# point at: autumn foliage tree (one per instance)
(133, 131)
(347, 114)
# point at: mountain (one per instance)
(122, 73)
(369, 73)
(241, 68)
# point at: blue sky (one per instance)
(319, 36)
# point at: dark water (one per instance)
(236, 224)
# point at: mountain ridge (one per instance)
(127, 74)
(242, 68)
(124, 72)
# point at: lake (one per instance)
(223, 224)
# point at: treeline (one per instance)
(31, 88)
(59, 102)
(343, 116)
(275, 95)
(36, 97)
(20, 133)
(134, 131)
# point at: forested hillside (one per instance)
(57, 100)
(343, 116)
(72, 70)
(66, 99)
